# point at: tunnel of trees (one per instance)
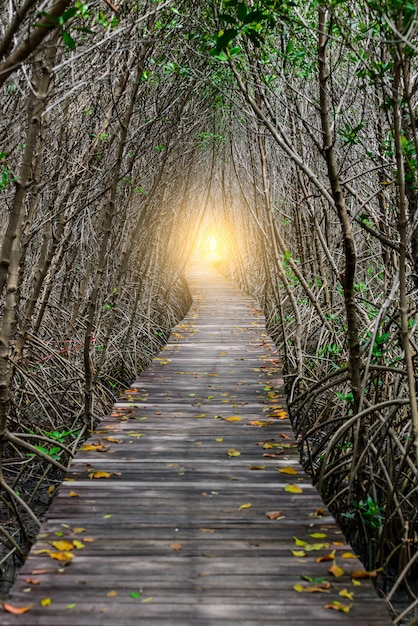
(135, 132)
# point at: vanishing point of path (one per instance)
(188, 505)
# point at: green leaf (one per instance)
(68, 40)
(224, 39)
(136, 595)
(68, 14)
(228, 19)
(241, 11)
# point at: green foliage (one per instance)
(347, 397)
(378, 349)
(5, 178)
(349, 135)
(53, 452)
(209, 140)
(253, 21)
(331, 349)
(371, 513)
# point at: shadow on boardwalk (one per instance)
(185, 506)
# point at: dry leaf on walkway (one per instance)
(326, 557)
(274, 515)
(336, 571)
(287, 470)
(233, 452)
(102, 474)
(293, 488)
(95, 446)
(248, 505)
(61, 556)
(363, 574)
(298, 553)
(16, 610)
(176, 546)
(321, 588)
(339, 606)
(62, 545)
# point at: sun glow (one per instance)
(212, 247)
(212, 243)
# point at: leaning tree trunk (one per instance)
(350, 257)
(11, 256)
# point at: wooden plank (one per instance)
(179, 522)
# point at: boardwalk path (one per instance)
(178, 533)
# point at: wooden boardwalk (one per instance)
(188, 506)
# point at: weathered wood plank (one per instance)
(168, 524)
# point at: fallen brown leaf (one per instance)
(274, 515)
(16, 610)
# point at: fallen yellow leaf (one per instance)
(176, 546)
(248, 505)
(61, 556)
(78, 544)
(287, 470)
(111, 594)
(233, 418)
(339, 606)
(320, 588)
(344, 593)
(299, 553)
(336, 571)
(62, 545)
(92, 446)
(73, 494)
(45, 602)
(363, 574)
(326, 557)
(233, 452)
(348, 555)
(100, 474)
(293, 488)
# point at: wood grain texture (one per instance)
(165, 539)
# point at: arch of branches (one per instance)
(127, 128)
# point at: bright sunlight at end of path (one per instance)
(212, 246)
